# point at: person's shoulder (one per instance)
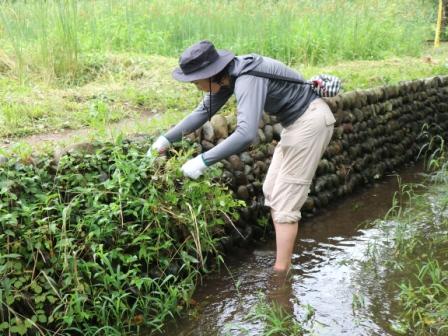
(251, 56)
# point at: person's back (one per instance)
(285, 100)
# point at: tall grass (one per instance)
(410, 262)
(54, 35)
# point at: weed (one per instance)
(274, 319)
(416, 228)
(107, 241)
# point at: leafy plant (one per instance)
(105, 242)
(412, 255)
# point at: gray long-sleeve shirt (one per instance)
(284, 100)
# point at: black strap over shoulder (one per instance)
(277, 77)
(323, 85)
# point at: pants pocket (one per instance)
(329, 118)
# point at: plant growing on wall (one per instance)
(106, 242)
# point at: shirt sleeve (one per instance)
(200, 115)
(250, 93)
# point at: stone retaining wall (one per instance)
(377, 131)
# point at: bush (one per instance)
(103, 243)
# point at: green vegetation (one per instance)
(276, 321)
(139, 87)
(106, 242)
(126, 86)
(412, 260)
(74, 63)
(100, 243)
(53, 36)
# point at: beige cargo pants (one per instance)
(295, 161)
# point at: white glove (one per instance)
(159, 146)
(194, 168)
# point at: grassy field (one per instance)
(140, 87)
(52, 36)
(71, 64)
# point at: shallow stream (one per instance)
(326, 275)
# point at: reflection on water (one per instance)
(325, 275)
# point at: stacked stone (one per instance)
(376, 132)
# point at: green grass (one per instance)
(140, 87)
(51, 37)
(274, 318)
(73, 64)
(411, 263)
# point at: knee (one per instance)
(285, 217)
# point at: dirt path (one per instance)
(66, 137)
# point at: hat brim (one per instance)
(225, 57)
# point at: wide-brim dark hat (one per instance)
(201, 60)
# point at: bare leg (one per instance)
(285, 237)
(279, 291)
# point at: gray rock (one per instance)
(246, 158)
(207, 145)
(260, 168)
(247, 169)
(236, 162)
(227, 165)
(220, 128)
(261, 136)
(258, 154)
(258, 186)
(198, 134)
(348, 100)
(267, 118)
(207, 132)
(231, 122)
(278, 128)
(240, 178)
(243, 193)
(270, 150)
(192, 137)
(332, 103)
(84, 147)
(269, 133)
(256, 142)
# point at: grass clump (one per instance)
(411, 261)
(105, 243)
(274, 318)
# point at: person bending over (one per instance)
(306, 119)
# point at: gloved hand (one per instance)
(159, 146)
(194, 168)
